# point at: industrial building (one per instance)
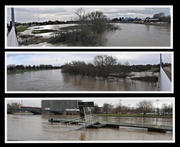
(61, 105)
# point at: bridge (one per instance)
(12, 37)
(34, 110)
(165, 77)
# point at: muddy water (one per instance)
(139, 35)
(37, 128)
(55, 80)
(130, 35)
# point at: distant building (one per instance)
(62, 105)
(72, 112)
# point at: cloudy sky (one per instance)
(67, 12)
(60, 58)
(127, 101)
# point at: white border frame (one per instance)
(100, 47)
(26, 52)
(69, 98)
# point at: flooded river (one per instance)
(139, 35)
(129, 35)
(55, 80)
(37, 128)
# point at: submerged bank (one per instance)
(73, 35)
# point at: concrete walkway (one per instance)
(167, 70)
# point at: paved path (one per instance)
(167, 70)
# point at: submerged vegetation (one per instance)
(106, 68)
(42, 31)
(22, 28)
(88, 31)
(146, 78)
(32, 39)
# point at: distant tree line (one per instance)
(14, 68)
(162, 17)
(143, 107)
(50, 22)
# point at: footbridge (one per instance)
(164, 78)
(11, 36)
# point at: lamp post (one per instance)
(157, 112)
(119, 110)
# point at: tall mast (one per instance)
(12, 17)
(160, 60)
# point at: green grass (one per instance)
(136, 115)
(42, 31)
(22, 71)
(71, 27)
(21, 28)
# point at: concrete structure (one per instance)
(12, 38)
(62, 105)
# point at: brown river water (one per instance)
(36, 128)
(55, 80)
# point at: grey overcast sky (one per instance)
(60, 58)
(41, 13)
(127, 101)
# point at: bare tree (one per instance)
(167, 108)
(104, 65)
(145, 106)
(107, 108)
(81, 15)
(98, 21)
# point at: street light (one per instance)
(157, 107)
(119, 106)
(119, 110)
(157, 112)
